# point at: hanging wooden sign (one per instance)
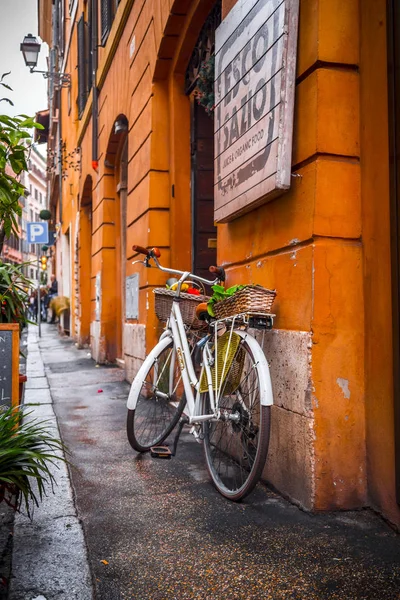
(255, 69)
(9, 364)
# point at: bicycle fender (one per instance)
(138, 381)
(267, 398)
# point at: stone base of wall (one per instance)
(97, 343)
(134, 348)
(290, 463)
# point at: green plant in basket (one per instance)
(219, 294)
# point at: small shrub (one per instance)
(27, 450)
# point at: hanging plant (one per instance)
(204, 91)
(45, 215)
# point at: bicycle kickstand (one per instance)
(164, 451)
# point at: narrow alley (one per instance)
(156, 529)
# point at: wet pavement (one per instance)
(157, 529)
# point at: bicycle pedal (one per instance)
(160, 452)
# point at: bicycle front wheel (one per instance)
(160, 402)
(236, 445)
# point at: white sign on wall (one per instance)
(255, 70)
(132, 296)
(98, 296)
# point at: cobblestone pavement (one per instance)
(157, 530)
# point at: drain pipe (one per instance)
(95, 96)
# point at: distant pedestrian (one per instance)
(53, 292)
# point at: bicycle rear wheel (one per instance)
(160, 402)
(236, 446)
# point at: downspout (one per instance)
(95, 95)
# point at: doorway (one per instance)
(204, 232)
(393, 20)
(122, 191)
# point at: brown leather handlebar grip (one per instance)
(153, 252)
(218, 271)
(141, 250)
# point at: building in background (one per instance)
(136, 160)
(12, 249)
(36, 201)
(16, 248)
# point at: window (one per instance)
(108, 8)
(84, 61)
(30, 189)
(32, 273)
(31, 215)
(40, 198)
(36, 194)
(82, 80)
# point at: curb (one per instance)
(49, 559)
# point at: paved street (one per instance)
(157, 530)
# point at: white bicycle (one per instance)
(226, 397)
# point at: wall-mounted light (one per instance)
(30, 49)
(121, 125)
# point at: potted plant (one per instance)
(14, 291)
(27, 451)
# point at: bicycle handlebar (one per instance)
(155, 254)
(146, 252)
(219, 272)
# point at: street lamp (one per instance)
(30, 49)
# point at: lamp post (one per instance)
(30, 49)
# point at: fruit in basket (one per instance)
(184, 287)
(170, 282)
(193, 291)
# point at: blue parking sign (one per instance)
(38, 233)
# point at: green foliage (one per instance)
(220, 293)
(45, 214)
(14, 289)
(27, 450)
(205, 85)
(14, 131)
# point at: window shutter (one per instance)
(89, 54)
(106, 19)
(82, 67)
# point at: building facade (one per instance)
(36, 201)
(16, 249)
(138, 163)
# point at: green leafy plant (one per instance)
(220, 293)
(14, 151)
(204, 91)
(27, 450)
(14, 289)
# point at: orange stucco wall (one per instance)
(307, 244)
(317, 244)
(376, 264)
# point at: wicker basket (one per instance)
(187, 305)
(252, 299)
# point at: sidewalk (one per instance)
(157, 530)
(49, 553)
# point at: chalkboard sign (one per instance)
(9, 364)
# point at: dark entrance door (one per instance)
(393, 20)
(204, 233)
